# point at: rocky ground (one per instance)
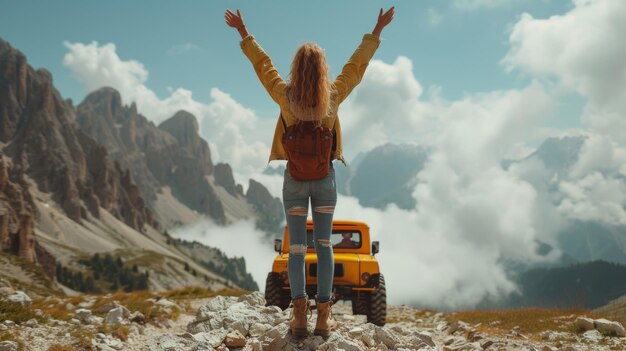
(185, 320)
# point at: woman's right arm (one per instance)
(353, 71)
(263, 66)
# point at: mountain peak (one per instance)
(106, 97)
(183, 126)
(559, 152)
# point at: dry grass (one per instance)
(57, 347)
(527, 321)
(14, 311)
(419, 314)
(12, 336)
(141, 301)
(198, 292)
(118, 331)
(56, 308)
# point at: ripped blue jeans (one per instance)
(323, 196)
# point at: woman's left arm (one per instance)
(263, 66)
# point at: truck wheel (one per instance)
(274, 295)
(377, 312)
(359, 304)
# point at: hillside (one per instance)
(583, 285)
(66, 197)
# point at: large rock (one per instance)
(234, 339)
(115, 316)
(85, 316)
(213, 337)
(232, 314)
(585, 323)
(607, 327)
(19, 297)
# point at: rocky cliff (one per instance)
(40, 136)
(171, 155)
(174, 157)
(269, 209)
(65, 196)
(16, 214)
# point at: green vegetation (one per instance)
(233, 269)
(15, 312)
(105, 274)
(584, 285)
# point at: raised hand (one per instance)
(236, 21)
(383, 20)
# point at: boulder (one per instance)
(385, 336)
(20, 297)
(235, 339)
(585, 323)
(256, 298)
(84, 315)
(607, 327)
(115, 316)
(214, 337)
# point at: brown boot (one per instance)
(325, 321)
(298, 323)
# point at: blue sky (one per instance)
(187, 44)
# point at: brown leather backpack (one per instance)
(308, 149)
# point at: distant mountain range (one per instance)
(101, 177)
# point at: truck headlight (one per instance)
(365, 277)
(284, 275)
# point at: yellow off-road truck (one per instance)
(357, 275)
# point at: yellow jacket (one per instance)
(350, 76)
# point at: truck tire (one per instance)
(377, 311)
(359, 304)
(274, 295)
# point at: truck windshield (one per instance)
(343, 239)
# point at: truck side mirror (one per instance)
(375, 247)
(278, 245)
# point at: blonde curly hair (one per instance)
(309, 88)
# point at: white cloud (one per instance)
(239, 239)
(583, 50)
(385, 107)
(389, 106)
(227, 125)
(596, 197)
